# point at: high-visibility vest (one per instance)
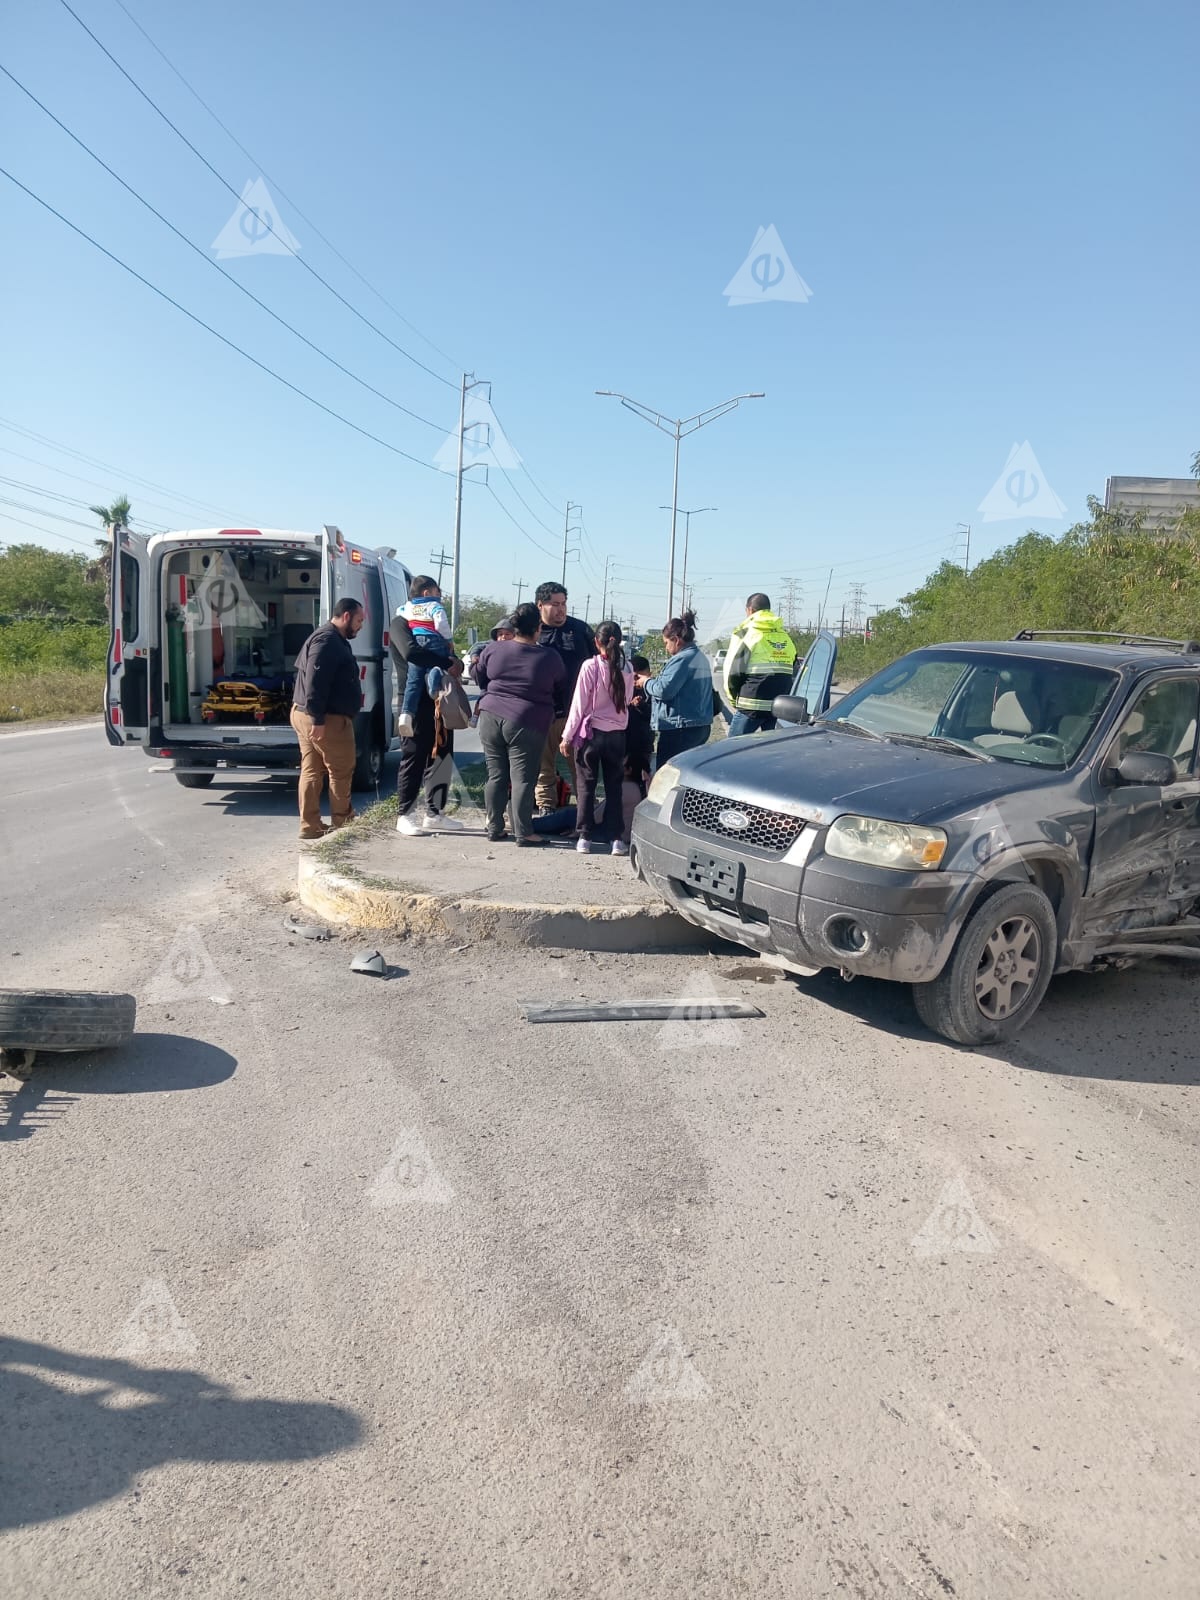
(760, 662)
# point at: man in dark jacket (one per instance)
(326, 700)
(575, 643)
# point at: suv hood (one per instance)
(817, 775)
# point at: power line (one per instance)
(523, 532)
(279, 189)
(78, 477)
(106, 466)
(53, 533)
(132, 81)
(216, 265)
(208, 328)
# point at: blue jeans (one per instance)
(418, 683)
(674, 741)
(751, 722)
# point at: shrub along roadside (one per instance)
(65, 692)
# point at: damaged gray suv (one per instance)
(971, 820)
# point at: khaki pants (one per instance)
(547, 784)
(333, 758)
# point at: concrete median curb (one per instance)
(350, 902)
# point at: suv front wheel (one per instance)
(999, 971)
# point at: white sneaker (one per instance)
(404, 726)
(620, 848)
(584, 846)
(407, 826)
(439, 822)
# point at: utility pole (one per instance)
(825, 602)
(678, 430)
(842, 632)
(587, 606)
(857, 600)
(443, 559)
(687, 529)
(521, 586)
(604, 597)
(568, 530)
(469, 381)
(965, 527)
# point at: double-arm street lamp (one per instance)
(678, 430)
(687, 530)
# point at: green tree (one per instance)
(118, 515)
(480, 612)
(36, 582)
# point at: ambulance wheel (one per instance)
(368, 768)
(195, 780)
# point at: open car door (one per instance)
(814, 679)
(133, 642)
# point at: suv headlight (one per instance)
(664, 780)
(876, 843)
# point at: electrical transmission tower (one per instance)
(792, 596)
(857, 606)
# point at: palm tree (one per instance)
(114, 516)
(1196, 465)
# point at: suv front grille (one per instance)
(767, 830)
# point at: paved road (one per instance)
(360, 1289)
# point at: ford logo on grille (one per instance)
(736, 821)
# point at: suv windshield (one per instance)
(1008, 708)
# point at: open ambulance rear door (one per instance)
(134, 675)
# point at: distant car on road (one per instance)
(719, 657)
(971, 820)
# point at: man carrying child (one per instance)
(431, 630)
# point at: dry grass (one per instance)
(62, 692)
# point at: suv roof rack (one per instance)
(1187, 647)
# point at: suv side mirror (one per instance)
(790, 708)
(1145, 767)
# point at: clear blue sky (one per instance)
(995, 209)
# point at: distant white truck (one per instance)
(205, 630)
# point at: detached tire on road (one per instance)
(63, 1019)
(999, 971)
(194, 780)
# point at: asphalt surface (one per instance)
(359, 1288)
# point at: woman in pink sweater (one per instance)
(595, 729)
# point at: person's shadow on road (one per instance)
(65, 1449)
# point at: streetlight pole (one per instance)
(687, 533)
(678, 430)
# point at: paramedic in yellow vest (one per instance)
(759, 665)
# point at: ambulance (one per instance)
(205, 631)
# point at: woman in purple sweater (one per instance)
(518, 679)
(595, 729)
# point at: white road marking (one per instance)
(69, 727)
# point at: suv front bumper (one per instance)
(817, 912)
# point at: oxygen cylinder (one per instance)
(177, 666)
